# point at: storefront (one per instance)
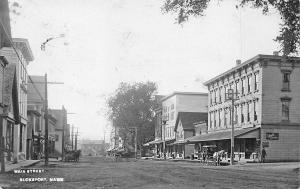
(246, 142)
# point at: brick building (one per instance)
(266, 112)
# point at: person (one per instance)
(263, 155)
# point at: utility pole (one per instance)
(46, 122)
(72, 136)
(76, 135)
(135, 146)
(46, 116)
(231, 95)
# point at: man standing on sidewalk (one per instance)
(263, 155)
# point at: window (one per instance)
(256, 81)
(255, 111)
(237, 87)
(172, 107)
(215, 119)
(249, 83)
(211, 97)
(215, 96)
(248, 112)
(231, 85)
(285, 109)
(243, 86)
(172, 115)
(225, 117)
(220, 94)
(242, 113)
(211, 118)
(286, 80)
(56, 137)
(225, 91)
(220, 118)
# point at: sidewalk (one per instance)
(21, 164)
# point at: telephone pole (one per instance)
(46, 117)
(72, 136)
(76, 135)
(231, 95)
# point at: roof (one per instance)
(222, 135)
(252, 60)
(189, 118)
(183, 93)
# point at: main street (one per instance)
(100, 172)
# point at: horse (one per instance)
(217, 156)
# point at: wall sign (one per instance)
(272, 136)
(265, 144)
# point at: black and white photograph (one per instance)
(149, 94)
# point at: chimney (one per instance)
(275, 53)
(238, 62)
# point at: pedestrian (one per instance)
(263, 155)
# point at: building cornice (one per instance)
(261, 59)
(183, 93)
(24, 47)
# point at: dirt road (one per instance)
(96, 172)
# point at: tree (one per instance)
(132, 106)
(289, 10)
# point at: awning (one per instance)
(223, 135)
(178, 142)
(155, 142)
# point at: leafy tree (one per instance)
(289, 10)
(132, 106)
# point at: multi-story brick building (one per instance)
(266, 109)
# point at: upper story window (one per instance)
(211, 97)
(220, 94)
(242, 113)
(172, 115)
(256, 81)
(225, 117)
(225, 91)
(255, 110)
(215, 96)
(249, 83)
(237, 87)
(220, 120)
(210, 119)
(285, 109)
(243, 86)
(286, 80)
(215, 121)
(248, 112)
(172, 107)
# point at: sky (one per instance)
(111, 41)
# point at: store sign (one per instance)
(272, 136)
(265, 144)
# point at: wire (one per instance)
(24, 67)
